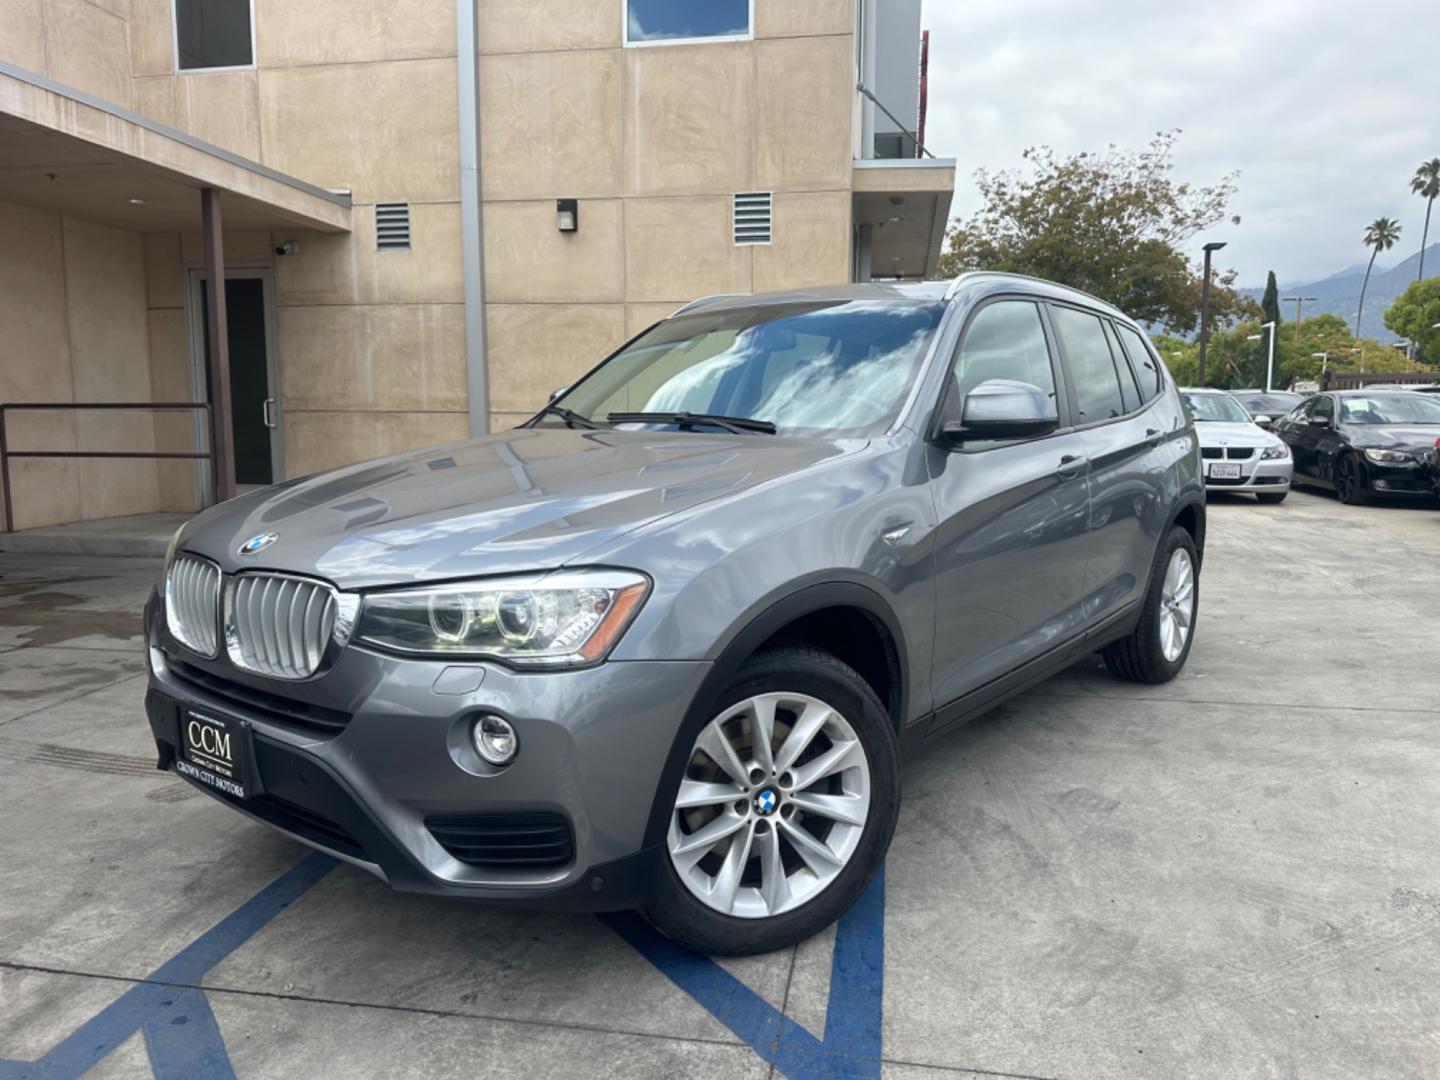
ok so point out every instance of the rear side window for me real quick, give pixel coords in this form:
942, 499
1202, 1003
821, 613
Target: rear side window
1005, 340
1129, 389
1147, 368
1087, 351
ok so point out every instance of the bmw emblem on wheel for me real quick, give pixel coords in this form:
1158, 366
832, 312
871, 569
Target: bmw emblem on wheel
765, 802
257, 544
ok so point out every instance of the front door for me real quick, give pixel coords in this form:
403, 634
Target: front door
1011, 550
254, 404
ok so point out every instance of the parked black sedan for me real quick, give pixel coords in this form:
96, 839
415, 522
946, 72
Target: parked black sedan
1363, 443
1266, 407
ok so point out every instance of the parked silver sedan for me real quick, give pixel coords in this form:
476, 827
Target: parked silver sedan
1237, 455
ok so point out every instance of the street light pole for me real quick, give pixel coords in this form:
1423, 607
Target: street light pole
1270, 363
1298, 301
1210, 248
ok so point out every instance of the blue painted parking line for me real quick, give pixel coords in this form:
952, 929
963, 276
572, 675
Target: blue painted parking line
184, 1042
851, 1044
181, 1035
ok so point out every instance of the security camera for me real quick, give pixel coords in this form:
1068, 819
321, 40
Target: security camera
290, 247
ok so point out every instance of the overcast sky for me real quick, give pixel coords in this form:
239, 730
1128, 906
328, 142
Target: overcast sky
1325, 107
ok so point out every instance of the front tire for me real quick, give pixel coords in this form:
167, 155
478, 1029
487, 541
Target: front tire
785, 809
1350, 482
1156, 650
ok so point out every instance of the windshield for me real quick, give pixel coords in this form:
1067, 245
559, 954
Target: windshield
1220, 408
1267, 404
1399, 408
811, 367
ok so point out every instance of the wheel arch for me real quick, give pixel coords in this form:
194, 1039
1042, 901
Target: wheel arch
752, 633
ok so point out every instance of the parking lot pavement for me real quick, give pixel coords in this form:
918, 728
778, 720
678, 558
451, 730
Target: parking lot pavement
1235, 874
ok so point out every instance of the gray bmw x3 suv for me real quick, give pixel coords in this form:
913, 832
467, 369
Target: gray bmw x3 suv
666, 644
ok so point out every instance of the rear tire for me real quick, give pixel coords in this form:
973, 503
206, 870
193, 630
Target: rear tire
697, 910
1272, 497
1151, 652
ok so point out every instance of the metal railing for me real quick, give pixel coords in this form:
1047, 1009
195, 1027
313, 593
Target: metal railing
59, 406
1330, 379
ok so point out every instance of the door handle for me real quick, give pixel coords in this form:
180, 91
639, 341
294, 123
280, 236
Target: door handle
1153, 437
267, 412
1071, 466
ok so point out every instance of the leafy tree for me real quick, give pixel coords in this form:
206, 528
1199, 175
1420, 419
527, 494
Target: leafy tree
1380, 235
1180, 356
1270, 302
1112, 224
1414, 314
1426, 184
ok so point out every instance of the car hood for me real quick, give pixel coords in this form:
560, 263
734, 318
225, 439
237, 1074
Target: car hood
1416, 438
1218, 433
528, 499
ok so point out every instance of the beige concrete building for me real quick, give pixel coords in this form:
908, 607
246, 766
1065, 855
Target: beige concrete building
431, 212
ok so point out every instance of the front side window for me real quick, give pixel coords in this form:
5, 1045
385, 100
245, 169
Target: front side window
1097, 386
1325, 406
1005, 340
213, 34
826, 367
649, 22
1390, 409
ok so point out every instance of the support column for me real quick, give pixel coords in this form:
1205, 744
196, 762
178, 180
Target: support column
217, 335
472, 241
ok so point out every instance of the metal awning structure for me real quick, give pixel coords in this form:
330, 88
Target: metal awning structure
70, 152
902, 205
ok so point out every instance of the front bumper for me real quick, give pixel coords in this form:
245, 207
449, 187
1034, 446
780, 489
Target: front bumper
1418, 477
1256, 474
362, 761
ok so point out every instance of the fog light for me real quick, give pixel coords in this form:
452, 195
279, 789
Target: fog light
1383, 485
495, 740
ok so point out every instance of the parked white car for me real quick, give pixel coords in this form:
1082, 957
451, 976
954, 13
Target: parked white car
1236, 454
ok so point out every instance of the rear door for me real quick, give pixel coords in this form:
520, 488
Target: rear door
1129, 444
1011, 542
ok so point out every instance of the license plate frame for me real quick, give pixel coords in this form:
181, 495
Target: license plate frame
214, 750
1224, 470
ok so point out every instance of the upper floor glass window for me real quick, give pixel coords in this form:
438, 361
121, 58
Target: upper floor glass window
214, 34
651, 22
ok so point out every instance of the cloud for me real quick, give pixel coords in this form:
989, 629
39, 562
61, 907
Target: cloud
1325, 107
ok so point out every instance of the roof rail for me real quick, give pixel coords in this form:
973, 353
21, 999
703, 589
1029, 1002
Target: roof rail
703, 300
964, 276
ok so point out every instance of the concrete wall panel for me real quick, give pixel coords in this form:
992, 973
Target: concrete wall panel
389, 357
678, 249
22, 34
88, 48
528, 260
539, 25
152, 38
536, 348
689, 119
801, 18
347, 31
811, 242
804, 110
553, 124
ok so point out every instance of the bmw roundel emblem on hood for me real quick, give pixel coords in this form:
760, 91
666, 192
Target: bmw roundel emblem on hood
257, 544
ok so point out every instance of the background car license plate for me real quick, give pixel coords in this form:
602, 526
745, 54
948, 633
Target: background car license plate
1225, 471
212, 751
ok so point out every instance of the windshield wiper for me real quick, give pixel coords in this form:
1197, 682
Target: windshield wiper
571, 417
737, 424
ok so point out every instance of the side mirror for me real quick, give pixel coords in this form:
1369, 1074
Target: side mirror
1003, 409
1263, 420
1320, 421
557, 392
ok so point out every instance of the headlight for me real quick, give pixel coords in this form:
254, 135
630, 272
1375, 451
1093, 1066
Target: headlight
1279, 450
569, 618
1390, 457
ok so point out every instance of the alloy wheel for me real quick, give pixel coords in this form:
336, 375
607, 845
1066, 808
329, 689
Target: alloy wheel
772, 805
1177, 605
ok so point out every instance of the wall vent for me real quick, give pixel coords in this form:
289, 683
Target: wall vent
392, 226
751, 217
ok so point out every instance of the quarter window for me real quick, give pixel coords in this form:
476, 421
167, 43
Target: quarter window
213, 34
1005, 340
1088, 354
1147, 369
1129, 390
650, 22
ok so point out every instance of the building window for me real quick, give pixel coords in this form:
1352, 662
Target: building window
212, 34
665, 22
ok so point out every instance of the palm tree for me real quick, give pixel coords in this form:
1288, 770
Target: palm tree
1380, 235
1426, 184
